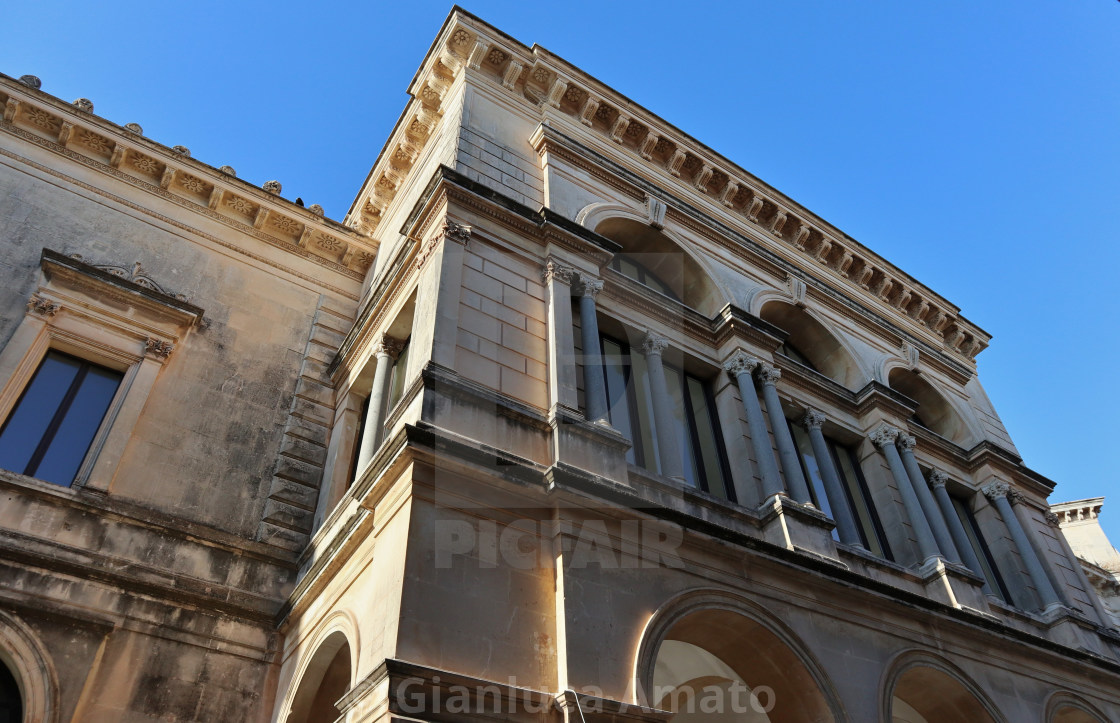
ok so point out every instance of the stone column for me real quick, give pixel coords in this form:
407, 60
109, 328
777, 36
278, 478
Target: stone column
833, 487
740, 367
1071, 558
594, 384
385, 351
787, 452
998, 492
937, 480
668, 445
561, 344
884, 438
936, 520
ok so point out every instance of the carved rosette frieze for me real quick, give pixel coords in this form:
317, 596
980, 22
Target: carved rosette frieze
884, 435
937, 478
996, 489
741, 363
554, 270
41, 306
654, 344
158, 348
813, 419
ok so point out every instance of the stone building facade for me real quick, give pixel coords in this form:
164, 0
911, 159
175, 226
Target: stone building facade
570, 418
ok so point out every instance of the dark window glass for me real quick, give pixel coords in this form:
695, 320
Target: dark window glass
980, 547
856, 495
358, 444
693, 422
794, 353
637, 272
400, 368
53, 424
11, 704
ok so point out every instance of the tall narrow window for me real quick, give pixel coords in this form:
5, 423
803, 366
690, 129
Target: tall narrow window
694, 423
396, 385
980, 547
50, 430
856, 494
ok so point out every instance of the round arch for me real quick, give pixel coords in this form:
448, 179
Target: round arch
716, 640
935, 411
827, 352
23, 654
671, 259
919, 687
327, 666
1066, 707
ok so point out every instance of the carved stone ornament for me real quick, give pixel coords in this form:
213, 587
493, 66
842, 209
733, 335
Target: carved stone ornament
31, 81
740, 363
797, 290
136, 274
41, 306
272, 187
315, 209
654, 344
937, 478
388, 346
768, 374
884, 435
239, 204
1052, 519
83, 104
1014, 496
555, 270
910, 354
134, 128
590, 287
907, 441
228, 170
158, 348
459, 232
182, 150
655, 211
995, 490
813, 419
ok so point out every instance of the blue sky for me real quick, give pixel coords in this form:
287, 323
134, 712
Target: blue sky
976, 145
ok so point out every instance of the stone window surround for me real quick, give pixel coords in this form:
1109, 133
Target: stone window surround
69, 311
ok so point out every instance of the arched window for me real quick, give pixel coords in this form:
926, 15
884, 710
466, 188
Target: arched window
934, 411
928, 695
325, 679
631, 269
811, 343
11, 701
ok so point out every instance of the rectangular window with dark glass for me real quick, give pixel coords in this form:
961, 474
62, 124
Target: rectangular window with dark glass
694, 424
52, 426
980, 547
856, 495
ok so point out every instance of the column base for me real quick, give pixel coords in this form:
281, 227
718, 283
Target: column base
954, 584
798, 527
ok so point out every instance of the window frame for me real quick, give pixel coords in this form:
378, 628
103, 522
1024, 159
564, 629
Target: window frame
963, 507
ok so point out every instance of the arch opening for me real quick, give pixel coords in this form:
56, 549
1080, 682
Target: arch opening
326, 678
924, 694
11, 699
720, 666
934, 410
813, 342
675, 272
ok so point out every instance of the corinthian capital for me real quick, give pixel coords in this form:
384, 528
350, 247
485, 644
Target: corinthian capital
813, 419
740, 363
906, 441
590, 286
995, 490
937, 478
1052, 519
388, 346
654, 344
553, 269
768, 374
884, 435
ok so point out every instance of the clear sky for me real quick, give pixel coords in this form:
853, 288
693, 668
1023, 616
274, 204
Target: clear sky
974, 144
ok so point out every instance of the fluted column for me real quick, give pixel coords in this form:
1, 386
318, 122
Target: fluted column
594, 383
884, 438
787, 452
999, 492
933, 514
740, 367
385, 351
937, 480
833, 487
668, 444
